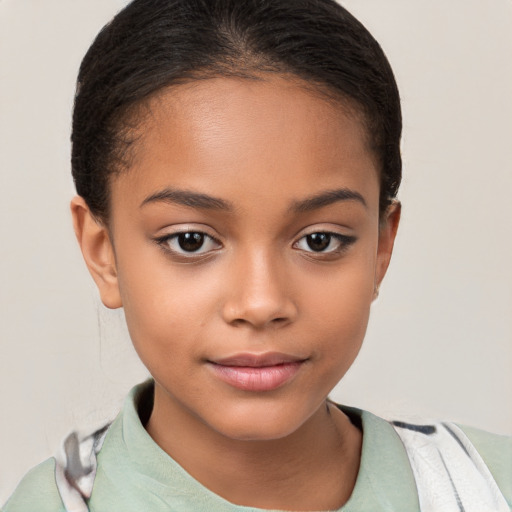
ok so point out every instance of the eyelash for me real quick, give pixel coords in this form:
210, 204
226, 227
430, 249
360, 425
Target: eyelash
344, 242
164, 242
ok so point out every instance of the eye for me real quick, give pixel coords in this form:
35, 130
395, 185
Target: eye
324, 242
189, 243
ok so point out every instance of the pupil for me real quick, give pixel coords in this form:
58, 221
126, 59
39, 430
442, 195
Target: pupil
318, 241
191, 241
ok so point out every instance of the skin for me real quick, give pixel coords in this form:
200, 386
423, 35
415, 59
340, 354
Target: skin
255, 287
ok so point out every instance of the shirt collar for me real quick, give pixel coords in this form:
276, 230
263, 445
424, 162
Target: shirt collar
385, 480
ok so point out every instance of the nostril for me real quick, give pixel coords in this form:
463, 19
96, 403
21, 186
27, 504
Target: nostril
276, 322
238, 322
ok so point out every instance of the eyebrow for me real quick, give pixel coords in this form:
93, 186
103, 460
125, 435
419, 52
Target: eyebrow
207, 202
188, 198
327, 198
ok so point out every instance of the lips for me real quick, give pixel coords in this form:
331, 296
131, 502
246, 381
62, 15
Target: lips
257, 372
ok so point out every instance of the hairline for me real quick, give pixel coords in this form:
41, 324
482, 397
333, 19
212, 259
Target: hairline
133, 116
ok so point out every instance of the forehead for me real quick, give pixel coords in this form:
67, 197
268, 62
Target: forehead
224, 136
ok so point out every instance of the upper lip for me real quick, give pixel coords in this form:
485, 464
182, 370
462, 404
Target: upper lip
258, 360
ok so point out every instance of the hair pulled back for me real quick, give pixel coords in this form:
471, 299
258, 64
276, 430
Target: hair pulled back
152, 44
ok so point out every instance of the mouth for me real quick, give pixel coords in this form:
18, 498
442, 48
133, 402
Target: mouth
257, 372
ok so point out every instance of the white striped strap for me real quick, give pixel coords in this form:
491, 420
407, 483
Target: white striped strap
450, 474
76, 466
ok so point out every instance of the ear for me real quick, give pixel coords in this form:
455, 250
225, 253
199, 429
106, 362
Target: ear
98, 252
387, 234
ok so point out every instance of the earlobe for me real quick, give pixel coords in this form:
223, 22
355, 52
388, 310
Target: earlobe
387, 234
94, 240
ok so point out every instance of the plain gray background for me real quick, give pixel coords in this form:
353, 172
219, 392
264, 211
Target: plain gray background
439, 341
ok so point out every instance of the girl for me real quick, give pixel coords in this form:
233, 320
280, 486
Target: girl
237, 165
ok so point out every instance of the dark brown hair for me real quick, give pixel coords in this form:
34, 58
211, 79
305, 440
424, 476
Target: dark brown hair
152, 44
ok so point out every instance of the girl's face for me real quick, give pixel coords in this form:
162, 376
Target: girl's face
247, 251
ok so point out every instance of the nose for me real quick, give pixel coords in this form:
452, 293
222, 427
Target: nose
259, 293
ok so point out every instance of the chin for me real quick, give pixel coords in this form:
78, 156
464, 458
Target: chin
263, 423
256, 433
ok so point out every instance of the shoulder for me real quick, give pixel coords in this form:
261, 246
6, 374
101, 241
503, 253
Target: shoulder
37, 491
496, 451
63, 482
476, 464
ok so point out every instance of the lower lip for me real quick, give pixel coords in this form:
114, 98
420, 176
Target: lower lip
262, 378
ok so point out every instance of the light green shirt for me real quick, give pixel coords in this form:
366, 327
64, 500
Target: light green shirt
135, 474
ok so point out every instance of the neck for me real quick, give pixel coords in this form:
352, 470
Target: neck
314, 468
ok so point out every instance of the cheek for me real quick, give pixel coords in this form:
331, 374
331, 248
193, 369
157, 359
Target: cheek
166, 308
344, 320
337, 313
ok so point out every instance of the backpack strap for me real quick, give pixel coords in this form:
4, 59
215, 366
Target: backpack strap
76, 466
450, 474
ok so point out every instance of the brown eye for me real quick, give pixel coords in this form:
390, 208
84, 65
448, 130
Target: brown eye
318, 241
190, 242
324, 242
